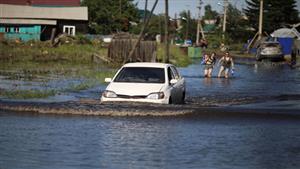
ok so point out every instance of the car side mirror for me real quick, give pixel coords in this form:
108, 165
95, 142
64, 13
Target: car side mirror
173, 81
107, 80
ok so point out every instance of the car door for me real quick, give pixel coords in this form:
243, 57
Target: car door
173, 87
179, 86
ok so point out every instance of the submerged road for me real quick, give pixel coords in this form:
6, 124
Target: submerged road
249, 121
262, 88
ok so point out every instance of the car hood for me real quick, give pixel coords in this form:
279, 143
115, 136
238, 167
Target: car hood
134, 89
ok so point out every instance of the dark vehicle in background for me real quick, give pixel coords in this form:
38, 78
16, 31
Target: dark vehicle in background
271, 50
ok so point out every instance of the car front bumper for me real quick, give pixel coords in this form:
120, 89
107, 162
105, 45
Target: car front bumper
157, 101
271, 56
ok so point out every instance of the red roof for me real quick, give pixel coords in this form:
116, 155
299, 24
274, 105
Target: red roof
42, 2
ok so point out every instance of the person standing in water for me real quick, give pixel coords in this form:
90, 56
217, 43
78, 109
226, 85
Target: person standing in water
227, 64
209, 62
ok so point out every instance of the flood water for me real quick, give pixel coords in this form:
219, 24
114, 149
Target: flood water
31, 141
207, 142
263, 82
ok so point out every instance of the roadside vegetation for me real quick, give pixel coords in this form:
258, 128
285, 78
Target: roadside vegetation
24, 65
177, 56
43, 52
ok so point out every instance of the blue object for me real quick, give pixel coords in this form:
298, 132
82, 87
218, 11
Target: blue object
203, 61
232, 72
287, 44
188, 42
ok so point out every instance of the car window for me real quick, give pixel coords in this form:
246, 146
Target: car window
141, 75
170, 74
175, 72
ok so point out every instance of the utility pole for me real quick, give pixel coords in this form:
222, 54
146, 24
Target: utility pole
225, 17
120, 7
261, 13
199, 25
258, 34
167, 43
188, 17
145, 11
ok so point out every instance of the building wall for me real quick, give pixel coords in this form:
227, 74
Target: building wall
40, 32
42, 2
21, 32
81, 26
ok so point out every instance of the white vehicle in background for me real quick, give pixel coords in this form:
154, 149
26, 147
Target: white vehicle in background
146, 82
269, 50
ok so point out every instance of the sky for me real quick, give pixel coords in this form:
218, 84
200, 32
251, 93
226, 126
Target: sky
177, 6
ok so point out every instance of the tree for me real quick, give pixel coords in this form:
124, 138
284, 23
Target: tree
209, 13
189, 26
107, 16
154, 28
277, 13
237, 26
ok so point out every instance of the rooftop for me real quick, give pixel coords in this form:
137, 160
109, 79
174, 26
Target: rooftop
35, 12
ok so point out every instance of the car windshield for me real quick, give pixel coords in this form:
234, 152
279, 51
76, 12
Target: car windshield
141, 75
271, 45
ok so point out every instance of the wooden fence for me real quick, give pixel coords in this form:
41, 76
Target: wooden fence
119, 50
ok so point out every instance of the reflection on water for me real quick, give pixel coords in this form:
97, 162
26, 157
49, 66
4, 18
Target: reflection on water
34, 142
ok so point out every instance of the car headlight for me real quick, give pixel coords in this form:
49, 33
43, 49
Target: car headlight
109, 94
264, 52
156, 96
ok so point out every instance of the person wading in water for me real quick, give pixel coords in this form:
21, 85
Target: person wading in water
227, 64
209, 62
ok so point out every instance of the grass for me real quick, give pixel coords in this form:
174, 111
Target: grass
92, 75
177, 56
27, 94
41, 52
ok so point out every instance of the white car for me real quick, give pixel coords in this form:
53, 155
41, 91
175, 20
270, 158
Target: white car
146, 82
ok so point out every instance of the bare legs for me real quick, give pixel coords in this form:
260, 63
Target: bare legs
225, 71
208, 72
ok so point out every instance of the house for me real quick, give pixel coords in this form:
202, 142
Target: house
27, 22
210, 25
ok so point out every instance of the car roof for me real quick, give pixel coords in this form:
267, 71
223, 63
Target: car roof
271, 42
147, 64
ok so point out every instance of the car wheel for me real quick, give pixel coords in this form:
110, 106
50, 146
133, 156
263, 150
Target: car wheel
183, 98
170, 100
258, 58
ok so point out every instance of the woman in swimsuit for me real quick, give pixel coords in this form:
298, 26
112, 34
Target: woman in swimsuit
227, 64
209, 62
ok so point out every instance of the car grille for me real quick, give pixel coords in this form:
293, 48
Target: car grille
130, 97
